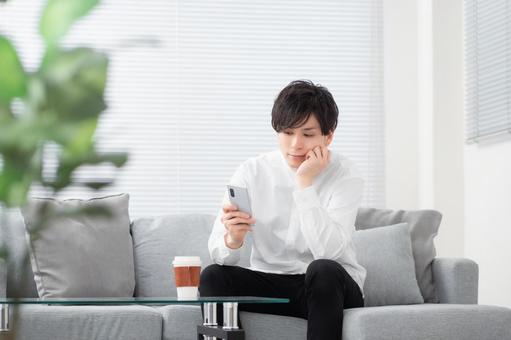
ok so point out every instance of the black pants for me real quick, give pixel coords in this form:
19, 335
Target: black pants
320, 295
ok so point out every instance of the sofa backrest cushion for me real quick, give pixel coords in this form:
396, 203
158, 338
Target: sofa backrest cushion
423, 226
156, 241
81, 252
386, 254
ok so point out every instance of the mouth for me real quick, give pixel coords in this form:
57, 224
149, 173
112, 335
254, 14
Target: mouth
296, 156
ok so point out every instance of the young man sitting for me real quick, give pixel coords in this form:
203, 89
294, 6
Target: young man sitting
304, 202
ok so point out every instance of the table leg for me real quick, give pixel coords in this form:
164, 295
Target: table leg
4, 318
230, 315
210, 318
230, 329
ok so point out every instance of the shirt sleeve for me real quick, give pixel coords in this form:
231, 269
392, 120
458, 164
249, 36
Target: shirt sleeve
328, 229
218, 250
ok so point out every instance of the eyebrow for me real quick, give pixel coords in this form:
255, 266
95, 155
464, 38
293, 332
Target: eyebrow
311, 128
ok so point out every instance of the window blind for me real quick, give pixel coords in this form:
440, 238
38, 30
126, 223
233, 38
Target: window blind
192, 83
487, 68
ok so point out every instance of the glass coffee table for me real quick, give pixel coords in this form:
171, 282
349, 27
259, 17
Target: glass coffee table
209, 329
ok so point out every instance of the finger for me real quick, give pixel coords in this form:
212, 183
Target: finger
242, 227
237, 220
238, 228
324, 153
236, 213
229, 207
320, 152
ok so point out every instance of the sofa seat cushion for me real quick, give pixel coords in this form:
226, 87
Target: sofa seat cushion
414, 322
272, 327
43, 322
180, 321
428, 322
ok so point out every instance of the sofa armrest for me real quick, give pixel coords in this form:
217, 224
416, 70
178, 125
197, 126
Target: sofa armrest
456, 280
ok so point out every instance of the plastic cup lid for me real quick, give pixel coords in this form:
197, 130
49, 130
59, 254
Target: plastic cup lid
187, 261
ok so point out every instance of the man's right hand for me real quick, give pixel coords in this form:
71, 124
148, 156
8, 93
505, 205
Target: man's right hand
237, 225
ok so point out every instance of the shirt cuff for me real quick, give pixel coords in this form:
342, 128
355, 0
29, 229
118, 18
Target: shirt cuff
306, 198
226, 252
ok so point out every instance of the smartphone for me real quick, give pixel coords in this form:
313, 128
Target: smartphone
239, 197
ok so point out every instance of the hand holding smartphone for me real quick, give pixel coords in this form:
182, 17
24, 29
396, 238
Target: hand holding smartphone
236, 222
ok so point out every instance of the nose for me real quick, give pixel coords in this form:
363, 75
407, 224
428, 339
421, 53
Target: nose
296, 142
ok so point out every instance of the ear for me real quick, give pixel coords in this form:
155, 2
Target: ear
329, 138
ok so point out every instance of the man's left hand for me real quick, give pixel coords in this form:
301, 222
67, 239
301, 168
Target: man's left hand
316, 161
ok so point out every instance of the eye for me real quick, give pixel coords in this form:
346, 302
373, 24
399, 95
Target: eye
289, 133
309, 135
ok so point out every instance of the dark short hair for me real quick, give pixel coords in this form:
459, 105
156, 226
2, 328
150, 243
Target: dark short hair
298, 100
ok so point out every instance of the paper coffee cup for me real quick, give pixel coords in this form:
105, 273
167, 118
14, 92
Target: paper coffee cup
187, 275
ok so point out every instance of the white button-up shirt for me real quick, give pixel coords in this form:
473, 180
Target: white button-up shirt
295, 226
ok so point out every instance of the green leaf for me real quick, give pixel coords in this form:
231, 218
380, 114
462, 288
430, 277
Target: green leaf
16, 178
75, 83
21, 137
5, 113
116, 158
82, 140
96, 185
59, 16
69, 162
4, 254
13, 81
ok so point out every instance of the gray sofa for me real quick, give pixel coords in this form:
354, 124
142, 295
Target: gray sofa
452, 314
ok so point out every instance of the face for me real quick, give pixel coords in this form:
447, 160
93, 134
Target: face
297, 142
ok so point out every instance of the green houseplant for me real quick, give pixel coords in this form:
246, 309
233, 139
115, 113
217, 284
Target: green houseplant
59, 104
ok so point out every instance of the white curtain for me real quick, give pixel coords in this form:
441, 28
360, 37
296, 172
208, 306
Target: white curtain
192, 83
487, 68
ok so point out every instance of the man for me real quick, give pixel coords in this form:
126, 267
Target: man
304, 203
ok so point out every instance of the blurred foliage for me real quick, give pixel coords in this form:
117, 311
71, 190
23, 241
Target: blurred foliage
59, 103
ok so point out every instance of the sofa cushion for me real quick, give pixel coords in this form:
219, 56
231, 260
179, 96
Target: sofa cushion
156, 241
417, 322
89, 322
179, 320
427, 321
273, 327
82, 255
386, 254
423, 226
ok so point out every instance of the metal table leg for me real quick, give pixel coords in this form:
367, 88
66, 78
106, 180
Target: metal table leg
4, 318
230, 329
210, 317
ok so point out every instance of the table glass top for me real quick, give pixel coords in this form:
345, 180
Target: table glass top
139, 300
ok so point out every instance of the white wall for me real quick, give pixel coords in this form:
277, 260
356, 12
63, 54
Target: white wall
448, 135
488, 216
428, 164
401, 106
470, 180
423, 110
